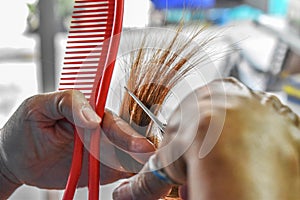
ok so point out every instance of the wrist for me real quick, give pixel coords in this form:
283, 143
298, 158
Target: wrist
8, 182
7, 187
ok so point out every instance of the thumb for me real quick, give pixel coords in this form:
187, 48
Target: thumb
73, 106
145, 185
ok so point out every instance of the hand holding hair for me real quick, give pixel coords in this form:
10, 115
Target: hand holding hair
36, 143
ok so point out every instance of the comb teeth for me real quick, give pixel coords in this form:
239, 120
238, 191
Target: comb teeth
91, 25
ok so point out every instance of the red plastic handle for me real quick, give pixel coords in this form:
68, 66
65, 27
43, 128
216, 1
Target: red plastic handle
98, 98
94, 164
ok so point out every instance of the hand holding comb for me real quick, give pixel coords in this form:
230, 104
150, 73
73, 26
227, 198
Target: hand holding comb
92, 48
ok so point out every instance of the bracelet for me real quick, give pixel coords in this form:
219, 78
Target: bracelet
156, 169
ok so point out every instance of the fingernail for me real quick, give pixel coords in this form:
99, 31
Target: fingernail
90, 114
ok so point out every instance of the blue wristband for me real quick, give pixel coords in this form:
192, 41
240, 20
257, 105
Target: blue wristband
158, 172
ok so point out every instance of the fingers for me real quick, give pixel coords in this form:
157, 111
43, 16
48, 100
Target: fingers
75, 107
150, 183
144, 185
126, 138
71, 105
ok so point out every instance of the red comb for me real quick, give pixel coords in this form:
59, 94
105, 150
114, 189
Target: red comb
89, 61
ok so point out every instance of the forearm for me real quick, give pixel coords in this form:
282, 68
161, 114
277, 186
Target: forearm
7, 187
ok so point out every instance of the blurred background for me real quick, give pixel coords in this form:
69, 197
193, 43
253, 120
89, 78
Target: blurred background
264, 36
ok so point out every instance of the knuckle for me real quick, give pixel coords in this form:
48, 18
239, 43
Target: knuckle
71, 93
30, 103
135, 145
30, 100
68, 95
144, 187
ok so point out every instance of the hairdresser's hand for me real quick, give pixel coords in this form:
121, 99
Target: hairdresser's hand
37, 142
145, 185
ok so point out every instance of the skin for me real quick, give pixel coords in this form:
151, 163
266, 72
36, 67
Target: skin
36, 143
255, 157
